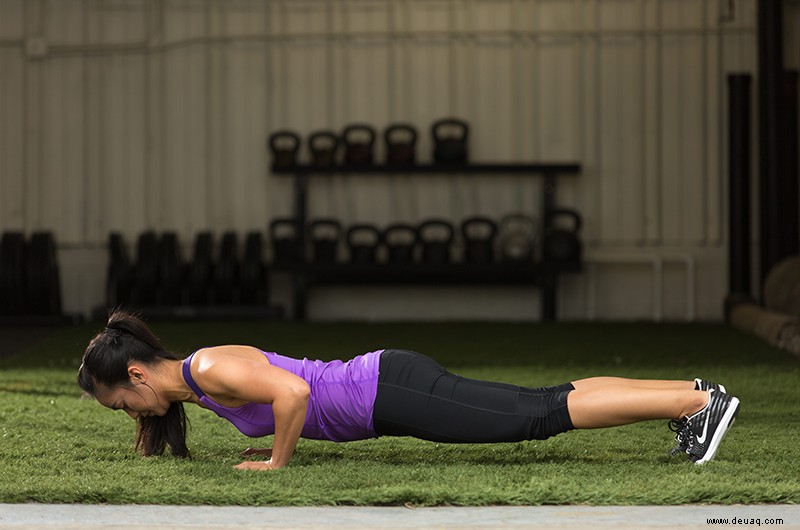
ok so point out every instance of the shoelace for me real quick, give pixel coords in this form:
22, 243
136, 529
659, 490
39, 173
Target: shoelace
682, 435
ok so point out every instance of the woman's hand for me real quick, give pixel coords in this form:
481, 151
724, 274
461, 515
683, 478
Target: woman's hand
256, 466
250, 451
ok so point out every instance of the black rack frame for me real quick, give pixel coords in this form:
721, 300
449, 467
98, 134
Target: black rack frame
544, 274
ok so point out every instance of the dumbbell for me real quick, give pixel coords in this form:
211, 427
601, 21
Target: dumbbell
12, 274
252, 276
401, 241
226, 271
363, 241
170, 270
436, 236
120, 272
145, 275
479, 234
201, 271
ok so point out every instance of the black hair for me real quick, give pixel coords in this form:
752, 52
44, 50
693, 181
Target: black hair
127, 338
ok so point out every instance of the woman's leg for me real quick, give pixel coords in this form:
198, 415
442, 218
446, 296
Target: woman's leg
595, 406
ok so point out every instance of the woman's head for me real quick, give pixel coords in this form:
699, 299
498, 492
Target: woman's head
118, 368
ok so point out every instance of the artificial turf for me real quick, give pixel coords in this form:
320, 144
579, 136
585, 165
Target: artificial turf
57, 447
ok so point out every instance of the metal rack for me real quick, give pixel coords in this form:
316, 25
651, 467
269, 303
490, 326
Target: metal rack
305, 275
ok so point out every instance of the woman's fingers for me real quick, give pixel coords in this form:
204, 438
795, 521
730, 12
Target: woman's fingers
254, 466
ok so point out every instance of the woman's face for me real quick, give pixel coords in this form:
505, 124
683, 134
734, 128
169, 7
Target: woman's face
138, 400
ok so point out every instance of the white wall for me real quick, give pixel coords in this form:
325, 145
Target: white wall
126, 115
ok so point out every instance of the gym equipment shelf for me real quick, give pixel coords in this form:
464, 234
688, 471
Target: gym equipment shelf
544, 274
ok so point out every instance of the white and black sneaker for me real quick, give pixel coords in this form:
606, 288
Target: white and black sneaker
679, 426
705, 429
702, 384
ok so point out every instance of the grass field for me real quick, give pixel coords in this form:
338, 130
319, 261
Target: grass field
57, 447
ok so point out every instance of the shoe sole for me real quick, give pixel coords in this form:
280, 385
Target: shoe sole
727, 420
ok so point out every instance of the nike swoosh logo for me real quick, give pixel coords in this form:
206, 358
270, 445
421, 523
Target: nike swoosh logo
702, 439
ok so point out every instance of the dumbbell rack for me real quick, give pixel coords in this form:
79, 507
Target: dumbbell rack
544, 274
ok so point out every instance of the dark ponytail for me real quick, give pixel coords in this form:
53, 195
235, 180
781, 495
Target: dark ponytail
125, 339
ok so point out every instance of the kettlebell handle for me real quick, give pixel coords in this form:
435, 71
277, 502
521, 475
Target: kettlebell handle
576, 217
277, 136
455, 122
358, 127
400, 227
478, 221
332, 223
316, 137
392, 129
355, 229
437, 223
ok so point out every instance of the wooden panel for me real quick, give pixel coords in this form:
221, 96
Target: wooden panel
12, 21
12, 141
62, 193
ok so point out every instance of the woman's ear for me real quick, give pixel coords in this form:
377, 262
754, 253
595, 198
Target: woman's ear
136, 374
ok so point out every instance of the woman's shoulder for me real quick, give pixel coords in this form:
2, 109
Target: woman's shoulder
209, 357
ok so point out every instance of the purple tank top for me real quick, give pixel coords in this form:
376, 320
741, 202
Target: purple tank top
339, 408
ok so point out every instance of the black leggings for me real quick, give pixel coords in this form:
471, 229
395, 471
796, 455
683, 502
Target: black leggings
417, 397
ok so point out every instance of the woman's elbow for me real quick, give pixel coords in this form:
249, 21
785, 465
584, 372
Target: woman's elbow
300, 391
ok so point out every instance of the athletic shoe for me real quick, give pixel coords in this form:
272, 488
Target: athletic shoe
702, 384
679, 426
707, 427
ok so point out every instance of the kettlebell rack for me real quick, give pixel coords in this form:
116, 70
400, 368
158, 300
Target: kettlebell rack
305, 274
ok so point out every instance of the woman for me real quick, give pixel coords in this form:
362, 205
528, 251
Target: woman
382, 393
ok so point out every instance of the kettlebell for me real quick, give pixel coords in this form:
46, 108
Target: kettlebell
400, 141
517, 232
401, 240
436, 236
284, 145
323, 146
560, 244
450, 141
358, 140
285, 237
325, 235
363, 240
478, 233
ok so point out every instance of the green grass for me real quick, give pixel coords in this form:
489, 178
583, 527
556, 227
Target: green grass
57, 447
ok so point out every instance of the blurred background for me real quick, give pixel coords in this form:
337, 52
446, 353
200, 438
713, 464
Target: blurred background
128, 116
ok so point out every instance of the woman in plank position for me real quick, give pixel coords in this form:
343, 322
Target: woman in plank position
383, 393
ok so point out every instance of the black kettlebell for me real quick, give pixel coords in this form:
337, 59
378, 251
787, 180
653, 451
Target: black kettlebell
358, 140
325, 235
363, 240
323, 146
401, 140
479, 233
285, 236
516, 237
401, 240
284, 146
560, 244
450, 141
436, 236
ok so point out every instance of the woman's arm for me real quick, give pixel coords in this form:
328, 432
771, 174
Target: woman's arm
232, 373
